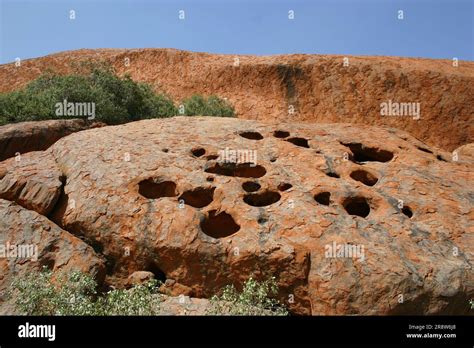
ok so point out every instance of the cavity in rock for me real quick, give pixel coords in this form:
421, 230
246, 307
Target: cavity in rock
262, 199
357, 206
219, 225
150, 189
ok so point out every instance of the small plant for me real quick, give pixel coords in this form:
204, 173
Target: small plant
256, 298
212, 106
141, 299
39, 293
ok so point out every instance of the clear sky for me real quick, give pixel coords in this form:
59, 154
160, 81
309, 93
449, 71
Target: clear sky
430, 28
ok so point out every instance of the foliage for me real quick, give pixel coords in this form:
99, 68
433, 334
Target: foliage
256, 298
39, 293
212, 106
117, 99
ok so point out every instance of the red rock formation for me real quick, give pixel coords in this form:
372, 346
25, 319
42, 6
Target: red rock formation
319, 88
396, 212
43, 244
37, 136
31, 180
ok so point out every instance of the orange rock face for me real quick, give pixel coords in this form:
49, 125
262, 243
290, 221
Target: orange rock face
29, 241
349, 219
295, 88
23, 137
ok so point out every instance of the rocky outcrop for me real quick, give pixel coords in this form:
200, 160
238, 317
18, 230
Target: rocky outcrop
29, 241
19, 138
292, 88
32, 180
350, 220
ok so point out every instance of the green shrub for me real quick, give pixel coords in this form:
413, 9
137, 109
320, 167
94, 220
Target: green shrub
76, 294
117, 100
254, 299
212, 106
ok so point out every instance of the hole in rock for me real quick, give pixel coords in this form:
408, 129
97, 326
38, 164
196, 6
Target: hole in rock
210, 179
157, 272
333, 175
262, 220
407, 211
150, 189
251, 186
199, 197
440, 158
212, 157
364, 177
357, 206
95, 244
165, 150
323, 198
251, 135
198, 151
110, 263
363, 153
299, 142
273, 159
424, 149
220, 225
284, 186
47, 261
59, 210
242, 170
262, 199
281, 134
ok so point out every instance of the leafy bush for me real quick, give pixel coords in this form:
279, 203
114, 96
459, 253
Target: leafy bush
117, 100
254, 299
212, 106
75, 294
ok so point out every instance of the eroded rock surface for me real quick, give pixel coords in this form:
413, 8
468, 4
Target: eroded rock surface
157, 196
19, 138
29, 241
297, 87
464, 153
31, 180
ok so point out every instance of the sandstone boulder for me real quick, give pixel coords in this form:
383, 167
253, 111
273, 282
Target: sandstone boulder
29, 241
32, 180
350, 219
140, 277
36, 136
296, 87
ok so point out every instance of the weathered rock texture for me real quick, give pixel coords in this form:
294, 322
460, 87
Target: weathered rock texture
30, 241
31, 180
465, 153
154, 196
37, 136
319, 88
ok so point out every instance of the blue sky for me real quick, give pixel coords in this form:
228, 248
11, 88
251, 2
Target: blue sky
430, 28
